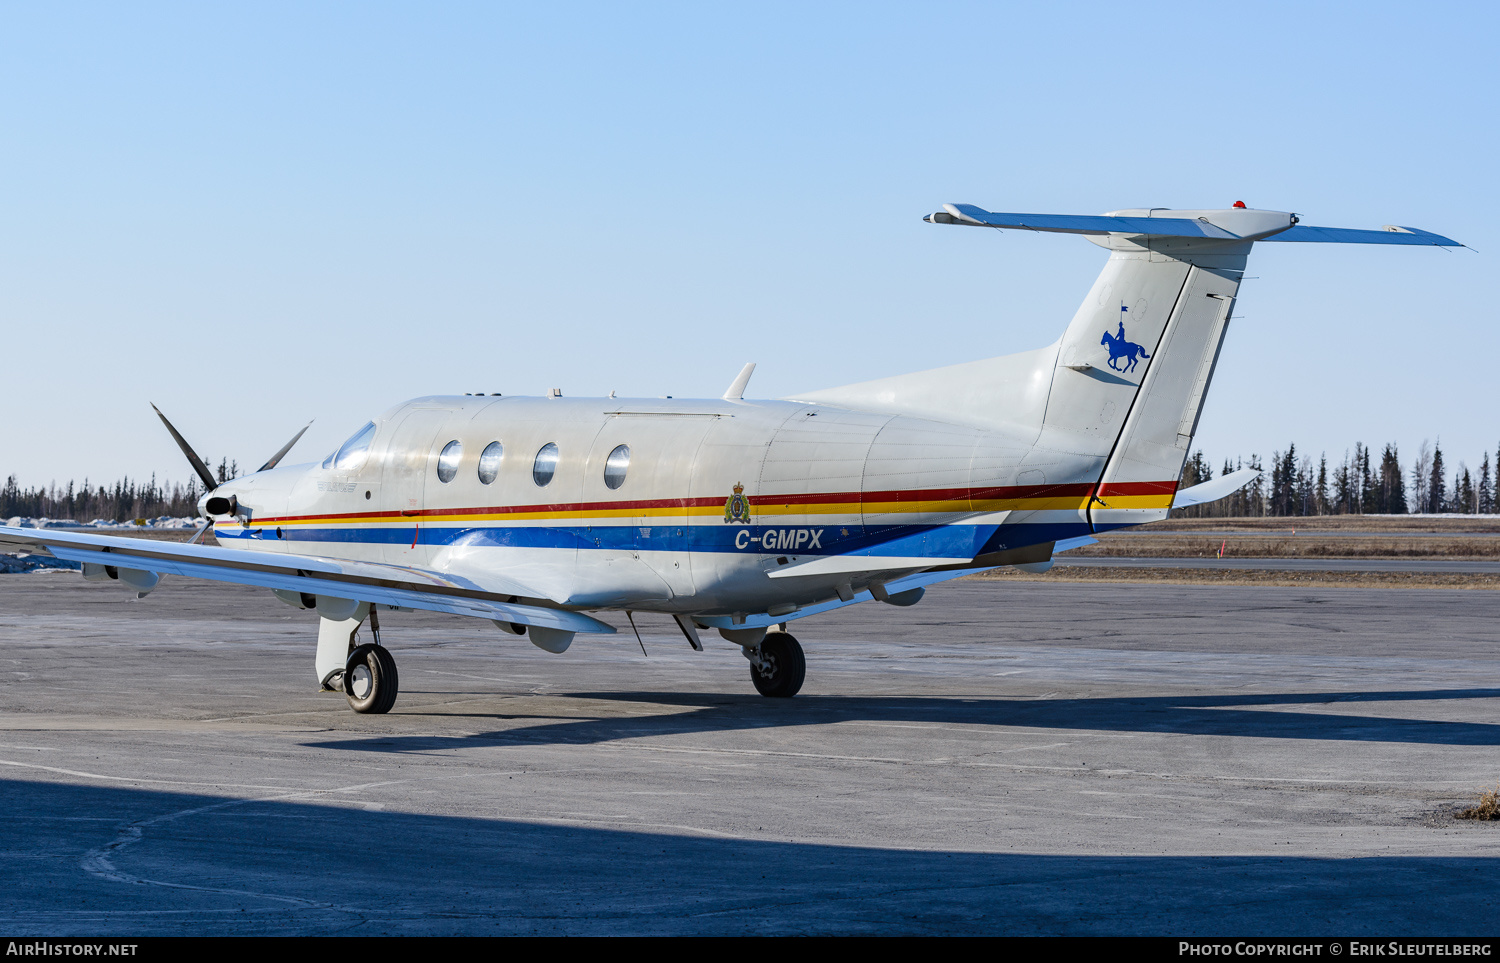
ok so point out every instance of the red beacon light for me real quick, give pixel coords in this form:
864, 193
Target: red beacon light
1240, 204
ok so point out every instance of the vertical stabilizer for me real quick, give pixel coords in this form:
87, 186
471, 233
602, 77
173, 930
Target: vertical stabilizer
1183, 337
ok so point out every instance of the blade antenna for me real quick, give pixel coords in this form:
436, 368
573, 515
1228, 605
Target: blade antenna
736, 390
209, 484
276, 458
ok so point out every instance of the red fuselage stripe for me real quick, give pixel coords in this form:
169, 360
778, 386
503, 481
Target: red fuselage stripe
853, 499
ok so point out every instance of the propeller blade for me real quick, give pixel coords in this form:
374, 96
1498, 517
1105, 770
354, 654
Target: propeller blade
276, 458
208, 526
209, 483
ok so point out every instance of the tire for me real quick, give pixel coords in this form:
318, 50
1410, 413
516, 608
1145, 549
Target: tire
370, 680
782, 667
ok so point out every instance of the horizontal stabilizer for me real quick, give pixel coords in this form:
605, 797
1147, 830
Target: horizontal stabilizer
1390, 234
1212, 491
1231, 224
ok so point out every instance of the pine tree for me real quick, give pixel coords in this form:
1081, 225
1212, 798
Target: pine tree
1463, 491
1392, 484
1368, 490
1256, 502
1486, 493
1284, 500
1437, 494
1343, 486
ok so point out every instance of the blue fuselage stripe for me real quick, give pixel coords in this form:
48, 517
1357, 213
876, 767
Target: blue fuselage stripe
917, 541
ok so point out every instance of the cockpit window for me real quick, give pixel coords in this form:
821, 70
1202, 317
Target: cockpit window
351, 454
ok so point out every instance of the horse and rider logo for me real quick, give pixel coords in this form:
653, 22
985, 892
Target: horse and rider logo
1120, 349
737, 509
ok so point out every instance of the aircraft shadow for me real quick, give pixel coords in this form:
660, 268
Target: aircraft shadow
1207, 715
96, 860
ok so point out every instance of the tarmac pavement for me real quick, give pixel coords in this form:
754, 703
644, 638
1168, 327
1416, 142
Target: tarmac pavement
1005, 757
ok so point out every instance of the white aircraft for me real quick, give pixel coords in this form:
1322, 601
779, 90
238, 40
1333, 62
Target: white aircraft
741, 515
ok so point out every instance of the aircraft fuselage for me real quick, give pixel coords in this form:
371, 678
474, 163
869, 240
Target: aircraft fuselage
715, 496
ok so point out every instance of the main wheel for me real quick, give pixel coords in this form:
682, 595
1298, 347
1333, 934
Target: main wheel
781, 668
370, 681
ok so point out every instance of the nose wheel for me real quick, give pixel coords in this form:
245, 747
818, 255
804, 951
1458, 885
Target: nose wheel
370, 681
777, 666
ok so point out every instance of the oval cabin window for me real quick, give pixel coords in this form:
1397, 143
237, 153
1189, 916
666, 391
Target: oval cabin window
448, 461
545, 465
489, 462
616, 466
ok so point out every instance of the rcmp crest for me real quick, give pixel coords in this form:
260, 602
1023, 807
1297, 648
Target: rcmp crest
737, 508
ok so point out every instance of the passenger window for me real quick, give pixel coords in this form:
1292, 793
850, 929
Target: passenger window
352, 453
448, 461
545, 465
489, 462
615, 467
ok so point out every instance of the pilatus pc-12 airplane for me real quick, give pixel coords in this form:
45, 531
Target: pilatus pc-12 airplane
737, 515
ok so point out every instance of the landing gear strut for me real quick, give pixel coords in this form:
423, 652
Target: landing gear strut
370, 681
777, 666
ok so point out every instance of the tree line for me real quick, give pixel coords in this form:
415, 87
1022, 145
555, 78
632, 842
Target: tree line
123, 501
1362, 484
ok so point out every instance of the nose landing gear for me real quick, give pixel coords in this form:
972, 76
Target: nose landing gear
777, 666
370, 681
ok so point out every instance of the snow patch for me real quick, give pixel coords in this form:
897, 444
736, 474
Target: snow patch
160, 522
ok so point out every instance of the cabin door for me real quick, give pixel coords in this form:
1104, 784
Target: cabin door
408, 459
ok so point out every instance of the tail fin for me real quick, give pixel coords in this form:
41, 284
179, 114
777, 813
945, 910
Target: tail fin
1116, 401
1134, 365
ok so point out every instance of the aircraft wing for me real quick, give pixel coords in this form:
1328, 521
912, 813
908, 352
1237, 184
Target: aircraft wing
488, 596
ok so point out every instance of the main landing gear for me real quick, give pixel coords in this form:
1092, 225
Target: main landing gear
777, 666
370, 680
366, 674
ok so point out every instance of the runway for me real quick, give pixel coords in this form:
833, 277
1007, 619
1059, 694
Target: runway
1005, 757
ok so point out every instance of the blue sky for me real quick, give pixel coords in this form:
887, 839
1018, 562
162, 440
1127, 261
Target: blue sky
258, 215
